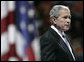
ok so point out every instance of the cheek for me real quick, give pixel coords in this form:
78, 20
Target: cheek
61, 23
58, 23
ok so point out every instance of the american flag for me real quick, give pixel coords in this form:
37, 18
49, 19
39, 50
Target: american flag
19, 40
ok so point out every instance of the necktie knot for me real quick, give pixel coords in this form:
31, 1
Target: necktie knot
63, 36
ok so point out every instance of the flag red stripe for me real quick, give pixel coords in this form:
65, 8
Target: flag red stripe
6, 21
4, 24
11, 17
5, 57
30, 54
13, 53
10, 53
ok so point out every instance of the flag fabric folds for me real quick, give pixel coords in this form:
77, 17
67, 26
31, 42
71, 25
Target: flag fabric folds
19, 40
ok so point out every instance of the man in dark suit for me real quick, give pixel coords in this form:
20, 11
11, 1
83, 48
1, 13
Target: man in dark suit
54, 43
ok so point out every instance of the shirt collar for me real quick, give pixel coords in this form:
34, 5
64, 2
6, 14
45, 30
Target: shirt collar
56, 30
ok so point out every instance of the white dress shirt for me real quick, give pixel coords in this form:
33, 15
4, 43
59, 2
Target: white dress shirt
64, 39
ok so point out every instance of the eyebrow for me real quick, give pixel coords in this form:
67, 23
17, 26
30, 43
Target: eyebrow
66, 16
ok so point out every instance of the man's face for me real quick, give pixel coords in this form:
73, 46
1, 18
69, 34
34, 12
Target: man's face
64, 20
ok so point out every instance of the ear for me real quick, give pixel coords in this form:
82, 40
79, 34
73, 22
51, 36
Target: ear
54, 20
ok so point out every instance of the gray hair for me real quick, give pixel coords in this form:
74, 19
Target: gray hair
54, 12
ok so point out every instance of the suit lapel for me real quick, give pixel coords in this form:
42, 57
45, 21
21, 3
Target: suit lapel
70, 43
60, 41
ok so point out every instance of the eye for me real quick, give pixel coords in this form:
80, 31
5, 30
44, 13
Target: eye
69, 17
65, 17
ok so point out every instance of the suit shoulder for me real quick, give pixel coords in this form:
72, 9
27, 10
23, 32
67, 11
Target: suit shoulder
45, 35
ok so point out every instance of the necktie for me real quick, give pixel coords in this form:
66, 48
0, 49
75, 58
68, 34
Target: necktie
68, 45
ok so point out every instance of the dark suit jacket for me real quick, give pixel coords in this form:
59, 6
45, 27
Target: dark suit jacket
53, 47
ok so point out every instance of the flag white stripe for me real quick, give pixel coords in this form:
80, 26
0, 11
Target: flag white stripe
4, 43
11, 5
36, 48
11, 33
4, 9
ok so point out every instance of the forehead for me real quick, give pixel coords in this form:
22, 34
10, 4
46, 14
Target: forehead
64, 13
